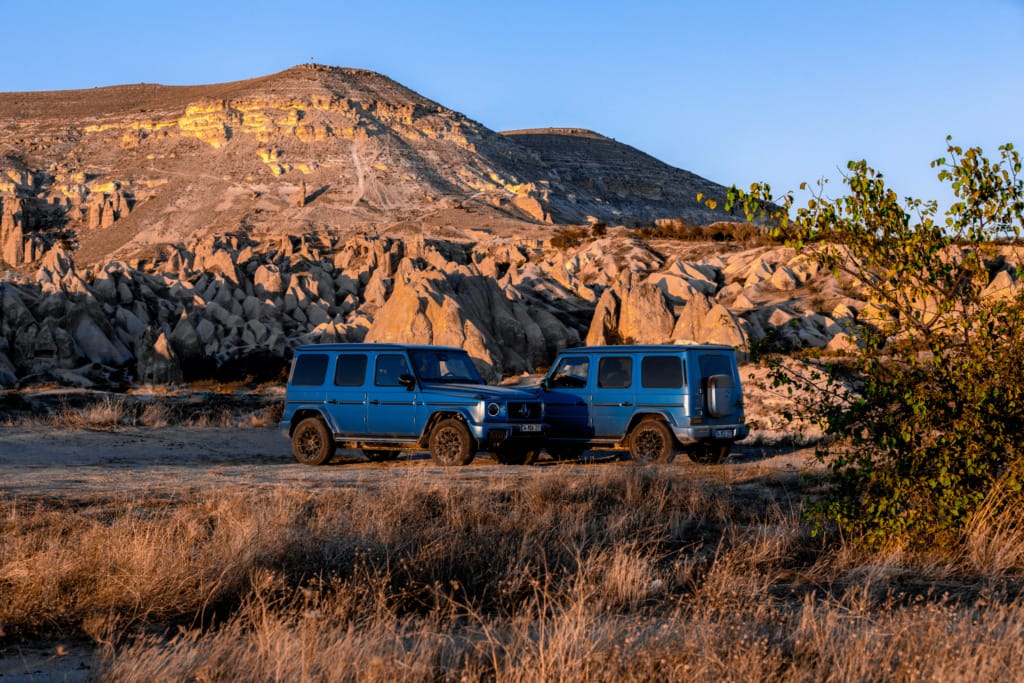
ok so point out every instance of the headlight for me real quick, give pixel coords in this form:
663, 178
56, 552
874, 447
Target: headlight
493, 409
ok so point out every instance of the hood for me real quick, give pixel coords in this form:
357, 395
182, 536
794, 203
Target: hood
481, 391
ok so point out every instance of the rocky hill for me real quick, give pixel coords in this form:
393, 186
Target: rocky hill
154, 234
114, 170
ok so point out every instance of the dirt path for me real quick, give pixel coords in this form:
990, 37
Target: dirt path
77, 463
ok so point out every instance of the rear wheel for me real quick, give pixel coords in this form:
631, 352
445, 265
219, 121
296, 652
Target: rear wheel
515, 456
451, 443
709, 453
312, 443
651, 441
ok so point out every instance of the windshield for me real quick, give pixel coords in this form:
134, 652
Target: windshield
445, 366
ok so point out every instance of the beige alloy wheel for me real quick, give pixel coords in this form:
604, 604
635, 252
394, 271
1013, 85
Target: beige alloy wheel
651, 441
312, 443
451, 443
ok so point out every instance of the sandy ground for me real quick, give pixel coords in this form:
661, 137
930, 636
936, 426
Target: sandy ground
46, 463
81, 464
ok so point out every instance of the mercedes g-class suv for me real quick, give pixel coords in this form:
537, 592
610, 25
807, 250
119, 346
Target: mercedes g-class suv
649, 400
383, 398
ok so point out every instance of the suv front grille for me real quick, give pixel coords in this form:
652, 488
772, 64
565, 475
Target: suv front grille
523, 411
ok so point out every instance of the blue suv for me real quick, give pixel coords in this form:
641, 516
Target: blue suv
383, 398
650, 400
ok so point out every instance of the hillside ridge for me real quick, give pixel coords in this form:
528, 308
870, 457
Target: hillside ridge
116, 170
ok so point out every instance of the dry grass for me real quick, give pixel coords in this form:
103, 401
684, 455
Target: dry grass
626, 573
106, 411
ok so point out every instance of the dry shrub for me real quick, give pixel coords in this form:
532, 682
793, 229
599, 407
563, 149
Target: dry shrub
107, 413
623, 572
155, 415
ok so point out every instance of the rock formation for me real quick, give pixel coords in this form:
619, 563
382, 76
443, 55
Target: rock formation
164, 234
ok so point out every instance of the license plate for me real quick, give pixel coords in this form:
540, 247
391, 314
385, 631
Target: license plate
529, 428
724, 433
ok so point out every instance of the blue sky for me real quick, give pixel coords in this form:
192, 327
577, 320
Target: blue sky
737, 92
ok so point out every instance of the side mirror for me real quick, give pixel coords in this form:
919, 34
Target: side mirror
545, 384
407, 381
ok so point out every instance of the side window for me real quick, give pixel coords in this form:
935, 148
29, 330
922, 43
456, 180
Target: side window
350, 370
571, 373
390, 366
615, 372
661, 372
309, 370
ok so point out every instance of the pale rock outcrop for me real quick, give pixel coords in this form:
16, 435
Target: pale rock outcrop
1002, 287
604, 327
644, 316
784, 279
268, 281
157, 362
722, 327
185, 340
689, 326
557, 335
211, 259
94, 334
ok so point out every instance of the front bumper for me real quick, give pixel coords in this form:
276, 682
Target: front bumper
495, 434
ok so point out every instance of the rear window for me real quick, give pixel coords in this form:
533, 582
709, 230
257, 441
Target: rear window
661, 372
350, 370
615, 372
309, 370
715, 364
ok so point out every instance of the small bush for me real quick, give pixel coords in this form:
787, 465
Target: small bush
931, 429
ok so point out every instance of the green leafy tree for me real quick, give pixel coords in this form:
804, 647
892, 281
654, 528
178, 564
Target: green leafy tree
925, 420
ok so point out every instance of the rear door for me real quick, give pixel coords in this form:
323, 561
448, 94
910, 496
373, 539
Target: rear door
306, 381
663, 387
613, 396
346, 395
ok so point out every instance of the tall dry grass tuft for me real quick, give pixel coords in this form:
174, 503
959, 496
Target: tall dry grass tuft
107, 413
619, 573
994, 537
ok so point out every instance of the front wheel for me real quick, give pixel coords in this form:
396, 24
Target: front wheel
709, 453
312, 443
515, 456
451, 443
651, 441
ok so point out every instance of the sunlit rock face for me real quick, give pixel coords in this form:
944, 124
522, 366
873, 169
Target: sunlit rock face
126, 167
161, 234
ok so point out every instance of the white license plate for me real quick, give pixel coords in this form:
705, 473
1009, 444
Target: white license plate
529, 428
724, 433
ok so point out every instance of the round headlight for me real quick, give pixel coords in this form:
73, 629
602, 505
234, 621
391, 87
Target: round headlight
493, 409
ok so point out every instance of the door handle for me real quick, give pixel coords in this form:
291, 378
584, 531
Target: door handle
374, 402
625, 405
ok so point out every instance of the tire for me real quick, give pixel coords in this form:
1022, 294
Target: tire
651, 441
312, 443
451, 443
375, 455
516, 456
709, 453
